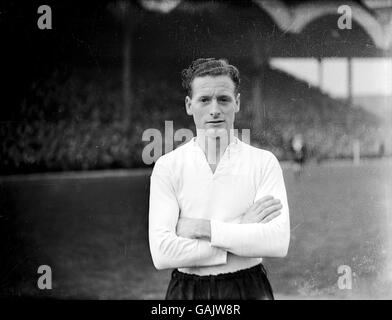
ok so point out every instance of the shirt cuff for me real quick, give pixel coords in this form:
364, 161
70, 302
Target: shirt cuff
220, 257
217, 233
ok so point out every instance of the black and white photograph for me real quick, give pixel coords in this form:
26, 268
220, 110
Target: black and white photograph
204, 150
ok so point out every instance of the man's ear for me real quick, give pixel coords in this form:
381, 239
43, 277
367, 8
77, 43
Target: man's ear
238, 103
188, 105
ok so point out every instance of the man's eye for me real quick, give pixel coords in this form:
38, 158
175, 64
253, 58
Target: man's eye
224, 99
204, 100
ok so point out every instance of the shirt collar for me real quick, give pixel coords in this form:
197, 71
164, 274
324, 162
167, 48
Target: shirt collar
232, 148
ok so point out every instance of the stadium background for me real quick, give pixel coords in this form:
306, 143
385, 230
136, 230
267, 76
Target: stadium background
79, 97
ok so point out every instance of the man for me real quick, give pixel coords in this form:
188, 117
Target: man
217, 204
300, 153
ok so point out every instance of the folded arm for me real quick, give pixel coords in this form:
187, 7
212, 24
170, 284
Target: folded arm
167, 249
258, 239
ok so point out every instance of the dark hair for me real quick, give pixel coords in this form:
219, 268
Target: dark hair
209, 67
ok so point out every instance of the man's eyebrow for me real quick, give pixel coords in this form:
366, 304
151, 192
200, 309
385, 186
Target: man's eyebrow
224, 95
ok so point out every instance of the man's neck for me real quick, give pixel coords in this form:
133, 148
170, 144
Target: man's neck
214, 147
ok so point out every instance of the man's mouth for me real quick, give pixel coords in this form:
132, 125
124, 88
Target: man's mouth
215, 121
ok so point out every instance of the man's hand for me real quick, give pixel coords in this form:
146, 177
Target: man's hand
194, 228
262, 211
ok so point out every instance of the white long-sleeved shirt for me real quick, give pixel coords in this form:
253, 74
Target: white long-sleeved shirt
183, 185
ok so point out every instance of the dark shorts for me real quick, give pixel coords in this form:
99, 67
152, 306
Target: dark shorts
247, 284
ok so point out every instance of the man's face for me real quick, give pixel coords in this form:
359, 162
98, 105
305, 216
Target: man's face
213, 104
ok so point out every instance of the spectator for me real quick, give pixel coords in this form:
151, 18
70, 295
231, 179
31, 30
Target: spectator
300, 153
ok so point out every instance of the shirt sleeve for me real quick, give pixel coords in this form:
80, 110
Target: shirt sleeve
167, 249
269, 239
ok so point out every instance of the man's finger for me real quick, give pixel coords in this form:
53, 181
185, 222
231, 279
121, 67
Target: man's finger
270, 210
256, 205
268, 204
265, 198
271, 217
258, 208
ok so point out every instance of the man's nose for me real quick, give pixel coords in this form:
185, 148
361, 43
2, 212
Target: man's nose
215, 110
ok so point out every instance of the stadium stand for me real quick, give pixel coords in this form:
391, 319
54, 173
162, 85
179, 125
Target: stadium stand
74, 122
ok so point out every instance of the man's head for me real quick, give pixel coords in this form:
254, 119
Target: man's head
212, 94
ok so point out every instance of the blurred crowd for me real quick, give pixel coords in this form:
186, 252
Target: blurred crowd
75, 122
